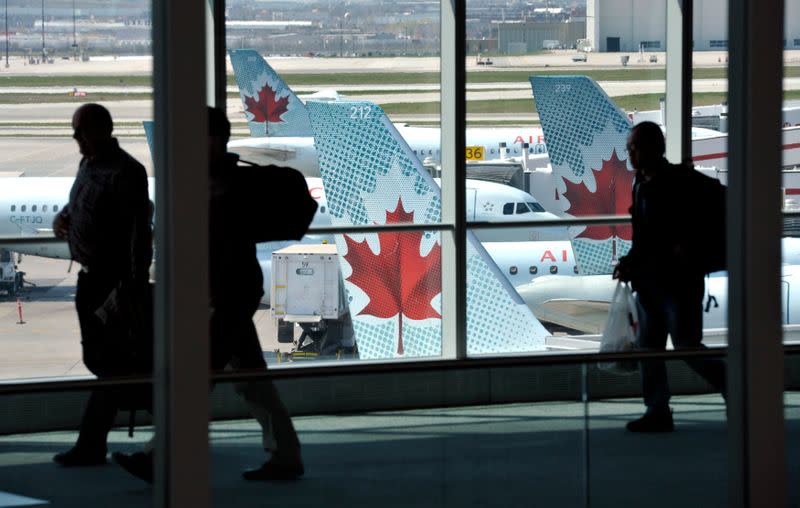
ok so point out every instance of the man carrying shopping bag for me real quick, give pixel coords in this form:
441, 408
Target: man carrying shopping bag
662, 271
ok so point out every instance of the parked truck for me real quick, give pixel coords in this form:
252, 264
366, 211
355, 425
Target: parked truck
307, 290
10, 278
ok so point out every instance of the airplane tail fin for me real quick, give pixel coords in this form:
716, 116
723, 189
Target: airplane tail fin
271, 108
393, 279
586, 136
149, 134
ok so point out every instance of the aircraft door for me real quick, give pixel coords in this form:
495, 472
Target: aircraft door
472, 200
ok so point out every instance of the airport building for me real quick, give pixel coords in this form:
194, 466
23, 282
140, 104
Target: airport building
420, 368
522, 37
628, 25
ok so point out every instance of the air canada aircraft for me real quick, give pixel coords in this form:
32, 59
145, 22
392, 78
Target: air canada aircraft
281, 133
393, 279
592, 176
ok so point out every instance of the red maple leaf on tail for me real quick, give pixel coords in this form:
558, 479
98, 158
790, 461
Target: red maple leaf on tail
399, 281
266, 108
612, 197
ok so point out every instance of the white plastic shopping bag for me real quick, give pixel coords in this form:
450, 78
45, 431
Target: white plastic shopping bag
619, 334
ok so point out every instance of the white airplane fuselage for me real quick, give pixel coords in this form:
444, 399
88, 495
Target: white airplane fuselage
299, 152
29, 204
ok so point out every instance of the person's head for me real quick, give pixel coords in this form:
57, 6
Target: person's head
219, 131
92, 126
646, 145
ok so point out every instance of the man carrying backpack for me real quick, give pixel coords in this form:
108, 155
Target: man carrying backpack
664, 269
261, 194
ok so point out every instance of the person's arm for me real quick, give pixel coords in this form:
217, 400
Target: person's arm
61, 224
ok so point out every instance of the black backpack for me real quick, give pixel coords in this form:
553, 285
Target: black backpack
279, 195
708, 220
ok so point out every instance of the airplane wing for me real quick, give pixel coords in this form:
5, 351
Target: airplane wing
586, 134
579, 303
271, 108
29, 232
263, 155
393, 280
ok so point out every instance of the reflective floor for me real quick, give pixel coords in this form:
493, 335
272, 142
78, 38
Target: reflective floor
509, 455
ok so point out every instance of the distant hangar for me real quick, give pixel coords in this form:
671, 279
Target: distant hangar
628, 25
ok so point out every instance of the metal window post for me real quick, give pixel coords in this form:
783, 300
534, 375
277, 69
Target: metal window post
181, 372
453, 142
217, 54
755, 356
679, 80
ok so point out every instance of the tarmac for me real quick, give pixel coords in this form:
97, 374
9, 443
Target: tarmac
47, 344
530, 454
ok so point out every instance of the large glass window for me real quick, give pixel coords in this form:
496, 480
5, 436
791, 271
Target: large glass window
347, 94
56, 56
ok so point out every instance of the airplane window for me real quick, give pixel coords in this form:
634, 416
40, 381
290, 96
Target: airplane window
508, 209
321, 209
33, 208
23, 208
44, 208
533, 270
516, 150
492, 150
13, 208
575, 268
535, 207
55, 208
523, 208
554, 269
512, 270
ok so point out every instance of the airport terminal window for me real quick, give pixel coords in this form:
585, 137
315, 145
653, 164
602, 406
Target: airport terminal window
797, 42
719, 44
651, 44
508, 209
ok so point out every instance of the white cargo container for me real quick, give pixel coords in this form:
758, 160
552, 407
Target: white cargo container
305, 283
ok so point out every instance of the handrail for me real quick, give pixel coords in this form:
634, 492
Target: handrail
437, 226
360, 367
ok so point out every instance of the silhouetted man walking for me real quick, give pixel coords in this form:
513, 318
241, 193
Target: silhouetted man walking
669, 284
234, 300
107, 226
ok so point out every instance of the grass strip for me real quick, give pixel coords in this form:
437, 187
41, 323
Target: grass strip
34, 98
331, 80
642, 102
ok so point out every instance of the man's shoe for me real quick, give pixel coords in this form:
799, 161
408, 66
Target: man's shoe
653, 421
272, 470
138, 464
80, 457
